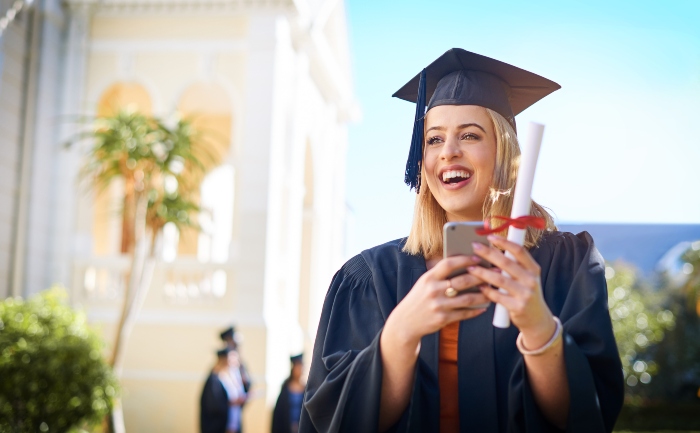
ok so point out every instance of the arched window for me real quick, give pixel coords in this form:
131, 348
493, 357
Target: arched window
209, 108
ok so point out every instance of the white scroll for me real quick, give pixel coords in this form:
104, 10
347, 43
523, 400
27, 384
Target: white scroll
530, 151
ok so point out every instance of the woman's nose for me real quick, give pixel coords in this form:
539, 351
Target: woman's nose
451, 149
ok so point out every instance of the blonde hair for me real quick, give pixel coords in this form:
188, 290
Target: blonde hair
429, 217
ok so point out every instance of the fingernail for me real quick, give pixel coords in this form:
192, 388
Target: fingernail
477, 246
492, 238
476, 258
471, 268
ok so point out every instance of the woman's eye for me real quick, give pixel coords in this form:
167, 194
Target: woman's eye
470, 136
433, 140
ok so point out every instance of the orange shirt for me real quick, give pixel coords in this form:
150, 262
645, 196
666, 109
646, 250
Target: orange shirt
448, 379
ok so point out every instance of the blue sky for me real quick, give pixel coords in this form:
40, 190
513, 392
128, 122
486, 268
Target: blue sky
622, 137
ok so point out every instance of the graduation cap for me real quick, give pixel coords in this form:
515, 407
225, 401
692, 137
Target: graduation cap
228, 333
223, 352
460, 77
297, 358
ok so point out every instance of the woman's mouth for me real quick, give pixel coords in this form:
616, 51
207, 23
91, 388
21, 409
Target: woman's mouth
455, 179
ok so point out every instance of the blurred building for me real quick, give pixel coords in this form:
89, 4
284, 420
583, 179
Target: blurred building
272, 77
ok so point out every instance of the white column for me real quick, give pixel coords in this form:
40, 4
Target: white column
259, 277
67, 240
293, 220
252, 170
46, 146
327, 176
280, 300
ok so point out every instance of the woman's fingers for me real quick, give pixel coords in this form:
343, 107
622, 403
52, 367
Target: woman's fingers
521, 254
436, 308
513, 287
498, 259
464, 281
466, 300
447, 266
459, 315
510, 303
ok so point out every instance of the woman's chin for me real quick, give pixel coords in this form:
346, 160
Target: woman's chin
463, 213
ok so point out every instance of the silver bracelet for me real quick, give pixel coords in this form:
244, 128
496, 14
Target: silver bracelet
547, 346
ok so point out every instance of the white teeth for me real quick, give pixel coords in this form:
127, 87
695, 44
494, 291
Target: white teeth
455, 173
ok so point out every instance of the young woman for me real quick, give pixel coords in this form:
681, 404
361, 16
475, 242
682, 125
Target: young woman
400, 348
285, 417
215, 405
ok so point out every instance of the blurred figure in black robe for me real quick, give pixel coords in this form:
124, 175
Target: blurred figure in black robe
231, 338
285, 417
214, 402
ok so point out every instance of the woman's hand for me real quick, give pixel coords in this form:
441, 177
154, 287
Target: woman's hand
523, 298
424, 310
427, 309
528, 311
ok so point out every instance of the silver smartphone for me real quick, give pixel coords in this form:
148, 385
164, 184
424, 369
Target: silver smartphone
457, 240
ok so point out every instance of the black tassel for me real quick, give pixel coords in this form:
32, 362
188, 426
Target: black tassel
415, 155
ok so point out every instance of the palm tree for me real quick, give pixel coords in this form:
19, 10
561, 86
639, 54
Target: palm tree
162, 168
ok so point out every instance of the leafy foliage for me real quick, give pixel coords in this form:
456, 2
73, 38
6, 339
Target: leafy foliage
679, 354
163, 164
53, 374
639, 322
671, 355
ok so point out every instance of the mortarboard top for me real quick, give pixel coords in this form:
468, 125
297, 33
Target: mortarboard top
223, 352
227, 333
297, 358
460, 77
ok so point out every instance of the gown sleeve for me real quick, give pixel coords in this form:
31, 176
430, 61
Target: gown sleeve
575, 290
214, 406
280, 415
344, 384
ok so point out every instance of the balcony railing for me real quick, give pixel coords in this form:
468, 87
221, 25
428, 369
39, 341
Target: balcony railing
183, 281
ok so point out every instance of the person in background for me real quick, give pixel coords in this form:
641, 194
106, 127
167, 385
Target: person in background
237, 396
285, 418
214, 402
230, 337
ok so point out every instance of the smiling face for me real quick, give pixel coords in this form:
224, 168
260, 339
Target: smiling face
459, 159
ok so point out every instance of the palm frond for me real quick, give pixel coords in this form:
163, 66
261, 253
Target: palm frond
146, 150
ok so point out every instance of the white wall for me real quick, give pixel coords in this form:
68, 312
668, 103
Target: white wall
12, 50
47, 123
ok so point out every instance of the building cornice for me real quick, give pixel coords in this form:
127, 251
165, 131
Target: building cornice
140, 6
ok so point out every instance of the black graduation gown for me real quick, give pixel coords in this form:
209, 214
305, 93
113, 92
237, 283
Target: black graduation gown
280, 415
343, 390
213, 414
245, 377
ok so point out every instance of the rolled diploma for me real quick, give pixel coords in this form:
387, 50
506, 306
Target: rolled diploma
530, 151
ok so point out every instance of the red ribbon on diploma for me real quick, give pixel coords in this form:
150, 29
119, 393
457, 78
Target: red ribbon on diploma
521, 222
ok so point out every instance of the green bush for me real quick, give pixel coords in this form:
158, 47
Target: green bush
678, 355
53, 377
639, 323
